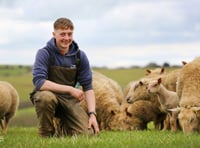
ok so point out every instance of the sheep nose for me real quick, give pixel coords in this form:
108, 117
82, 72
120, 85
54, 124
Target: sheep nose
129, 100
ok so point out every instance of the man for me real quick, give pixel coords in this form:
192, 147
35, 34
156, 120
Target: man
58, 67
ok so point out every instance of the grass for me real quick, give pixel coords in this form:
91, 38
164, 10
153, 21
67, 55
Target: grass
28, 138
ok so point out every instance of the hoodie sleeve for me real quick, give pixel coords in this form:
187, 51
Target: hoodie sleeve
84, 72
40, 68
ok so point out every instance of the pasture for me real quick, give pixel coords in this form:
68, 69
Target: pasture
22, 131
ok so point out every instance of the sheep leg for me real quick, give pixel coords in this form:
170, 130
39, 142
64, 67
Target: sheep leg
166, 125
2, 123
173, 121
6, 121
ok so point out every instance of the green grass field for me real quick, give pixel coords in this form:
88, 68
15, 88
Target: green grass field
27, 138
22, 132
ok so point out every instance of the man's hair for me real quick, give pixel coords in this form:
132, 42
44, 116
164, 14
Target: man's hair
63, 23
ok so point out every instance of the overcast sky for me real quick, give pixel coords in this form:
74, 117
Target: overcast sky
113, 33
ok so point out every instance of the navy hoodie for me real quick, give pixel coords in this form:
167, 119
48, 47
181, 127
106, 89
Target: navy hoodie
40, 68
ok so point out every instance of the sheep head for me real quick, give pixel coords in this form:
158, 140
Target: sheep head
137, 92
189, 119
154, 86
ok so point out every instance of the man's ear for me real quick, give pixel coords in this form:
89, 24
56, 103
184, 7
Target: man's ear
53, 33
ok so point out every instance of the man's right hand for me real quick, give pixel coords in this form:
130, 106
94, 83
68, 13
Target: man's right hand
77, 93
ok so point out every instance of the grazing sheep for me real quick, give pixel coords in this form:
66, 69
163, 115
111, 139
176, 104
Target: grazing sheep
108, 108
9, 102
189, 119
141, 112
168, 99
188, 90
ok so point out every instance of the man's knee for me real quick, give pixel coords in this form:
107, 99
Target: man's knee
45, 98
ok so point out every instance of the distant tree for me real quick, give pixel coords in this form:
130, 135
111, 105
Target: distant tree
152, 64
166, 64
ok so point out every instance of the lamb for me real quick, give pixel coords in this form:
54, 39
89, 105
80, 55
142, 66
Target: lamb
108, 108
9, 102
141, 112
168, 99
188, 86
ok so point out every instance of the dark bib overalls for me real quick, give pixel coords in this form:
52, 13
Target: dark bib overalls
69, 115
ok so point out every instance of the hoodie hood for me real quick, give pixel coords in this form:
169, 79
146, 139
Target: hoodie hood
73, 49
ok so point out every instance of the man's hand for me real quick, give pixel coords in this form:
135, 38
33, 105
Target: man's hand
93, 123
77, 93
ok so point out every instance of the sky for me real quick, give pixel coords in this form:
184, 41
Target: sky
113, 33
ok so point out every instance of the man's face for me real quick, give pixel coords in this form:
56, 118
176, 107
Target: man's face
64, 38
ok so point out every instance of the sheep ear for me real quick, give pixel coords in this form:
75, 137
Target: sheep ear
141, 83
127, 113
159, 80
195, 108
174, 109
112, 112
162, 70
184, 62
148, 71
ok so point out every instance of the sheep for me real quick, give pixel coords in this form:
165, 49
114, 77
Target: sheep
141, 112
189, 119
188, 86
139, 92
168, 99
169, 80
108, 108
9, 102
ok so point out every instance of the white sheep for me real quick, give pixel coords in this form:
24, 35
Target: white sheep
108, 94
188, 90
9, 102
168, 99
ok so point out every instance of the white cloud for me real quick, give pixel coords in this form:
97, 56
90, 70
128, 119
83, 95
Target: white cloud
133, 32
127, 56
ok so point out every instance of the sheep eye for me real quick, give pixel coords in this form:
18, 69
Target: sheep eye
136, 86
191, 120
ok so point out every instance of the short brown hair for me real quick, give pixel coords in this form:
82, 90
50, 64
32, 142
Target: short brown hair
63, 23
